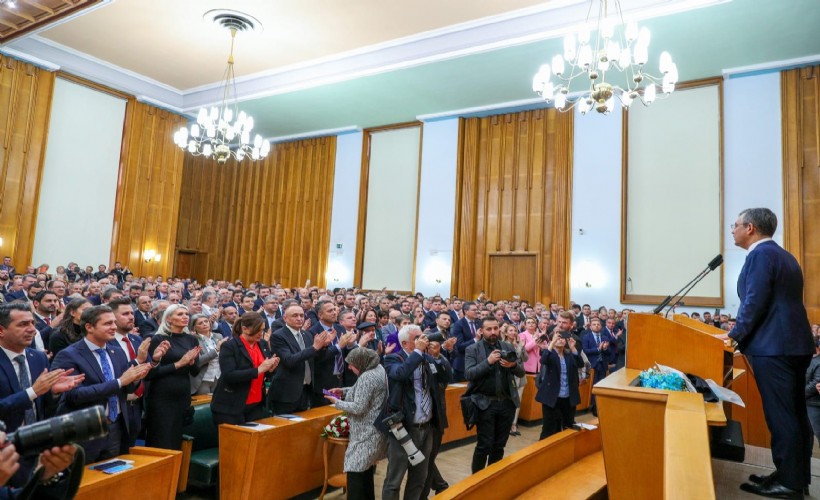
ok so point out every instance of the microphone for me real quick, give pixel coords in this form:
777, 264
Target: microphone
713, 264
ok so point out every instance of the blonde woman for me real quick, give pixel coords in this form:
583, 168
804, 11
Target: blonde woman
510, 334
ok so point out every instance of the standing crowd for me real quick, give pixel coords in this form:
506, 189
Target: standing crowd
140, 347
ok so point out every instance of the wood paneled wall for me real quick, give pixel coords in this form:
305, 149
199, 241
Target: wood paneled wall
265, 221
148, 190
514, 198
25, 107
800, 90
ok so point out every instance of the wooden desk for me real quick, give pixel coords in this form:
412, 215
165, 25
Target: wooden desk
154, 475
201, 399
456, 429
670, 447
276, 463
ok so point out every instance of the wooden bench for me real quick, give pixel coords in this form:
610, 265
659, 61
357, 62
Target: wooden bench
584, 479
567, 465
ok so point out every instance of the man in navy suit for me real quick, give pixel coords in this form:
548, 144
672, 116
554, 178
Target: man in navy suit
108, 378
26, 386
773, 332
330, 363
45, 307
465, 332
291, 387
601, 351
417, 383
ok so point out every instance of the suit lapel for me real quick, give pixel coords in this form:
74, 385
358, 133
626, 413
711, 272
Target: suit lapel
8, 369
243, 349
91, 359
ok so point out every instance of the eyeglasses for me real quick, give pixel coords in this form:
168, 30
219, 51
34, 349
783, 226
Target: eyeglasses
735, 225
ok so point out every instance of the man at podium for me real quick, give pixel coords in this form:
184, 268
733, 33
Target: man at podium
773, 332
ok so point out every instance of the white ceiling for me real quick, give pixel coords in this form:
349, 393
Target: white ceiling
170, 42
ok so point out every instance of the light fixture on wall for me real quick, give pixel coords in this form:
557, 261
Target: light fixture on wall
617, 47
151, 256
11, 4
223, 132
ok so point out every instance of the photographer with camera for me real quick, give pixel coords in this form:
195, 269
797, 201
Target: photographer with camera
414, 409
48, 484
491, 366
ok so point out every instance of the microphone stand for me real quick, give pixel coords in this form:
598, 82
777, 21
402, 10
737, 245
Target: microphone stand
689, 289
668, 299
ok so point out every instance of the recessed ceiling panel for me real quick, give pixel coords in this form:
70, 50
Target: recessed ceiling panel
169, 41
24, 16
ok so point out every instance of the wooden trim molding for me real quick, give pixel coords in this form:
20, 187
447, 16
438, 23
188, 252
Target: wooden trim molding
800, 109
364, 185
26, 92
628, 297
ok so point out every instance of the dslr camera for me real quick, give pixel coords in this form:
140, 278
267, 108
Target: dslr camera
394, 423
80, 425
509, 356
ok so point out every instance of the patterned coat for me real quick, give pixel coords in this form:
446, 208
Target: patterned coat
363, 403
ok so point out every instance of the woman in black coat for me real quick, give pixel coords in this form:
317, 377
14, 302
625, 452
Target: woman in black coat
174, 353
558, 385
244, 360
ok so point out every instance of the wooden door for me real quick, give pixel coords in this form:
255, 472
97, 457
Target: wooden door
184, 264
512, 274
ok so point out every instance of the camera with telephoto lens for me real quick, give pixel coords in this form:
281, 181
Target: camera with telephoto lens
80, 425
510, 356
394, 422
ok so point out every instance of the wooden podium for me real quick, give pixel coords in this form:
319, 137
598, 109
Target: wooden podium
656, 443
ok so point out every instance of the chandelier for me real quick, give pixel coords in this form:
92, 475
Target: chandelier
619, 48
222, 132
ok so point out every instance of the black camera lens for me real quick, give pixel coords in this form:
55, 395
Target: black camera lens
80, 425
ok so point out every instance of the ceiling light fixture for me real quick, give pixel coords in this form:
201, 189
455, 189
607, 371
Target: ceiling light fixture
617, 47
8, 3
223, 131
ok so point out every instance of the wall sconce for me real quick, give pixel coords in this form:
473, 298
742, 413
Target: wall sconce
1, 242
152, 256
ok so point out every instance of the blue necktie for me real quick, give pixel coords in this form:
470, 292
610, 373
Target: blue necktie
25, 383
106, 368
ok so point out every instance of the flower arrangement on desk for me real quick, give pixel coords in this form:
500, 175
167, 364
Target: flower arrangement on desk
654, 378
339, 427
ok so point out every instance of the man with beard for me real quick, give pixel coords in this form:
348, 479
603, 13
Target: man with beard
493, 392
136, 351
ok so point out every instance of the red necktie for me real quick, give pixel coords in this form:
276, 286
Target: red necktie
132, 355
47, 320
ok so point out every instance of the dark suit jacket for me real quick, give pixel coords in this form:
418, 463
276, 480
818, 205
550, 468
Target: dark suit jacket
771, 320
325, 362
238, 372
44, 329
288, 379
464, 338
550, 385
600, 360
94, 390
18, 295
13, 400
146, 327
225, 329
429, 321
453, 316
400, 367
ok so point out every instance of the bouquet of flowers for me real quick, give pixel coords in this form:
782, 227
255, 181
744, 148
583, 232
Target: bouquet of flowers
339, 427
654, 378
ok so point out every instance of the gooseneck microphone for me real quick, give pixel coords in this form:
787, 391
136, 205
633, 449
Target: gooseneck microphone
713, 264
